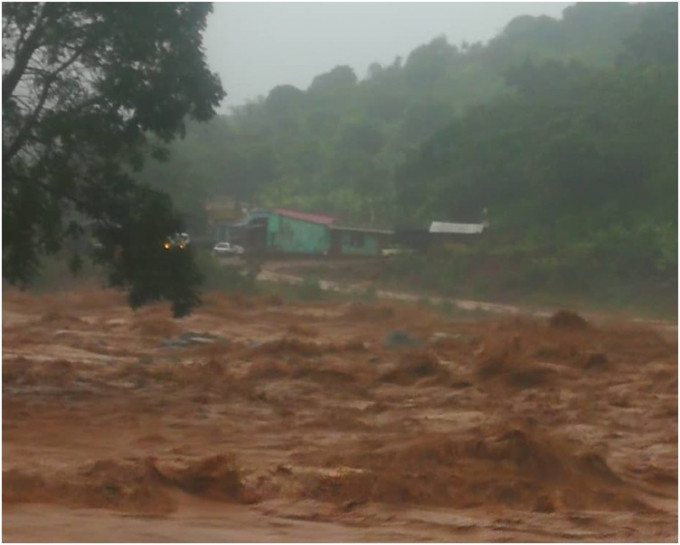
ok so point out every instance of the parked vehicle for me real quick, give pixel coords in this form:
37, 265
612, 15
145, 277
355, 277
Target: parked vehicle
178, 240
224, 249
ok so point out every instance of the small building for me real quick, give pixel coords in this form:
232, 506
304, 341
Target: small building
358, 241
446, 228
446, 233
440, 233
287, 231
291, 232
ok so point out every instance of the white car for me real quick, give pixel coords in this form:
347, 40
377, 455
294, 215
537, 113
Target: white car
222, 249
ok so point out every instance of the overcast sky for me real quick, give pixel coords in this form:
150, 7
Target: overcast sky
256, 46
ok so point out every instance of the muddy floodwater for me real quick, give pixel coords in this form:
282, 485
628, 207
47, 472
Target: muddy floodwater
259, 420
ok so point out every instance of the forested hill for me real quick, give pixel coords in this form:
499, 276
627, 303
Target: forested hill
549, 116
579, 162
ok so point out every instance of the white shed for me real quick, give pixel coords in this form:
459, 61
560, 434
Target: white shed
458, 228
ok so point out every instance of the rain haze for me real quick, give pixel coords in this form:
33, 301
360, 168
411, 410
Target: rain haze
257, 46
413, 280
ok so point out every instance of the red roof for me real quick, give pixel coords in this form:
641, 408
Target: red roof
303, 216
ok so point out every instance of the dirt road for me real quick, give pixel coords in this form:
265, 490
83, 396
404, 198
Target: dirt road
254, 420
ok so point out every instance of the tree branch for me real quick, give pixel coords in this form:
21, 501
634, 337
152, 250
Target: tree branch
22, 56
22, 37
21, 138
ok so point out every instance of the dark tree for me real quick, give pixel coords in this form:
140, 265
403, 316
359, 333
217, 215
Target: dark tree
89, 90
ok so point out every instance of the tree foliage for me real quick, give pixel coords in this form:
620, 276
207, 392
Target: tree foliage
85, 85
578, 157
336, 146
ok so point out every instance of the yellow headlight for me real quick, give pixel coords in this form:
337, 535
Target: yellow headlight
167, 245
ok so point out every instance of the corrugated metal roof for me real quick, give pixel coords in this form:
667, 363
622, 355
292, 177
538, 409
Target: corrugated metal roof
304, 216
457, 228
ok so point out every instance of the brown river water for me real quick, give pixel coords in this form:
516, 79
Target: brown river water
259, 420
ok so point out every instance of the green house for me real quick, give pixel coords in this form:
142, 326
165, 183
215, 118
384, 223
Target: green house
289, 231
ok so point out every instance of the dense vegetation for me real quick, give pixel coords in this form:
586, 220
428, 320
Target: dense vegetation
88, 92
577, 168
335, 147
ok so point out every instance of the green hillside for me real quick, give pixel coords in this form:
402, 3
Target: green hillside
335, 146
565, 131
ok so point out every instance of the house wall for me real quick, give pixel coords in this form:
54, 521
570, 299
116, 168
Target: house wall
356, 243
294, 236
301, 237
